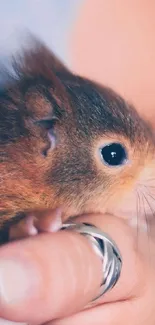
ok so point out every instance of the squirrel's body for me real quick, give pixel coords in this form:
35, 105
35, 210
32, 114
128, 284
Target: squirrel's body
53, 127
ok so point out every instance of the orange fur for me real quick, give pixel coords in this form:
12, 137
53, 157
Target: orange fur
85, 117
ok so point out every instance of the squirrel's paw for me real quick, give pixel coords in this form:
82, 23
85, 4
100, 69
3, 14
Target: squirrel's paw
35, 222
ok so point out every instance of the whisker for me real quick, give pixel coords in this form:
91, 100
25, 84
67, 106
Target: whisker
138, 208
147, 223
150, 179
151, 209
144, 199
148, 193
147, 186
138, 212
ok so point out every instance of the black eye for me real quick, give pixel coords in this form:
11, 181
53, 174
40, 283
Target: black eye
114, 154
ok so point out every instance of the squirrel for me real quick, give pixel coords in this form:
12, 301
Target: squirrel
71, 142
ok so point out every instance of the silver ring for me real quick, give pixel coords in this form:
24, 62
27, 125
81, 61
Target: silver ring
106, 249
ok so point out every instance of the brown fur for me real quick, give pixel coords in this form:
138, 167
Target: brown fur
43, 96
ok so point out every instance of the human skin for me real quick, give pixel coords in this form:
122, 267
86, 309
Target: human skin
54, 276
118, 63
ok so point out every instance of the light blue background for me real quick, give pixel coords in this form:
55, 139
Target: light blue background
51, 20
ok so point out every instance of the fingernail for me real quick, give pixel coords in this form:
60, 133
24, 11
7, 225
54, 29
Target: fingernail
15, 281
56, 224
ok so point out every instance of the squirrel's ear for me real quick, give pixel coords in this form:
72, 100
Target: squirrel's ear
35, 93
41, 50
38, 59
39, 72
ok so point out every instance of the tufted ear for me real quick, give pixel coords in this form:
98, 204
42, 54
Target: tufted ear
41, 76
37, 58
35, 96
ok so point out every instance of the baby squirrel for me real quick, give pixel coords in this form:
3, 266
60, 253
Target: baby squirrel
68, 141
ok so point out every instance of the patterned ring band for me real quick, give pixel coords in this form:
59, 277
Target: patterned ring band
107, 251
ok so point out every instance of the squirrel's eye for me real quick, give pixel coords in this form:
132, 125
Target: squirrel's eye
113, 154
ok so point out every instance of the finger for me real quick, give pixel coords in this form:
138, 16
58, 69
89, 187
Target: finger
7, 322
37, 221
126, 312
134, 250
130, 301
47, 276
53, 276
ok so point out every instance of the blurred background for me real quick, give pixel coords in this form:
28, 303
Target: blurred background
110, 41
51, 20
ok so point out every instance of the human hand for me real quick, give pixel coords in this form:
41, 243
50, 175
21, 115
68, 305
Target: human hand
52, 277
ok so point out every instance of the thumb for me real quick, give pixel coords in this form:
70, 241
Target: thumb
46, 277
52, 276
